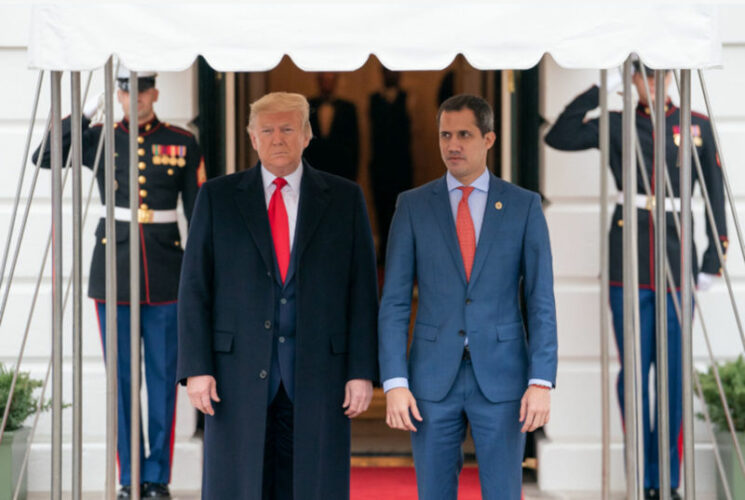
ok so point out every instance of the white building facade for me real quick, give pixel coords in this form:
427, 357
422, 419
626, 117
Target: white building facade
568, 461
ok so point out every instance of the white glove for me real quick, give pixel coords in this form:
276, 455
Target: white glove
615, 80
705, 280
94, 107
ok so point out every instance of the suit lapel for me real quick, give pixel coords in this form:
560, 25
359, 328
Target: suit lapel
489, 226
251, 200
314, 198
443, 212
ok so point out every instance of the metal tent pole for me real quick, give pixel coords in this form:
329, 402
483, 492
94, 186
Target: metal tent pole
660, 256
111, 296
77, 281
56, 157
604, 283
134, 287
687, 282
631, 364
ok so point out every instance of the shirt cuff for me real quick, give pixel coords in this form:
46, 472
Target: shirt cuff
541, 382
395, 383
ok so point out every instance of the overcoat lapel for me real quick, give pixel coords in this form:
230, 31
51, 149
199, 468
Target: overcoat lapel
250, 198
314, 198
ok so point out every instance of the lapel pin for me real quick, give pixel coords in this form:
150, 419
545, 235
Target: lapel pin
498, 205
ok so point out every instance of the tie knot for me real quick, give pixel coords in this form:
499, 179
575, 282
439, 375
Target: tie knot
467, 190
280, 182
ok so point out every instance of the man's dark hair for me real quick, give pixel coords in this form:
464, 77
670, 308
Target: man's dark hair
481, 110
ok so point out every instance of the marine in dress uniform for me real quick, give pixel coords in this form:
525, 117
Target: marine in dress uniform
170, 164
572, 132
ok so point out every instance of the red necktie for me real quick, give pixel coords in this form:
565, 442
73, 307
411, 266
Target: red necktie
466, 232
280, 227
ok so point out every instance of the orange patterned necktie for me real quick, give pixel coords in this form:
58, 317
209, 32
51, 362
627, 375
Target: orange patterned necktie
465, 230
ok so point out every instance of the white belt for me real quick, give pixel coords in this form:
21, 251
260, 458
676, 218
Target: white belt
144, 216
647, 202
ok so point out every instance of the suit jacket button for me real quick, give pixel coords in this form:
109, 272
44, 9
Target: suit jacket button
283, 301
468, 301
281, 340
462, 333
262, 374
267, 324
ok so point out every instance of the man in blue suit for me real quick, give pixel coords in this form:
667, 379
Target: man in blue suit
468, 240
277, 318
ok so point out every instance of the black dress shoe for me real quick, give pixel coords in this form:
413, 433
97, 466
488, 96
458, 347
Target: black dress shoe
651, 493
674, 495
155, 490
124, 492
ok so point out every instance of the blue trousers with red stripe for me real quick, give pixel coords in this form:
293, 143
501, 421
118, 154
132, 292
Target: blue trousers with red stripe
648, 346
159, 336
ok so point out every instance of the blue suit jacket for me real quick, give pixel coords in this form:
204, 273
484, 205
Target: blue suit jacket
423, 248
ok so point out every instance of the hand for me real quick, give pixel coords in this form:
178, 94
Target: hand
704, 281
357, 396
615, 80
93, 106
535, 408
202, 390
398, 403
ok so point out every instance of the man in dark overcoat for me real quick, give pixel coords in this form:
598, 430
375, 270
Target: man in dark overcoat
277, 318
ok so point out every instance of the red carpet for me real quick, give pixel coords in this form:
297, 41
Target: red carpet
399, 483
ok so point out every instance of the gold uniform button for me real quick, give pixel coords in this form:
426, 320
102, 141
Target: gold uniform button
141, 152
141, 165
143, 193
148, 127
103, 240
141, 179
144, 206
170, 171
140, 140
116, 184
725, 244
620, 222
177, 243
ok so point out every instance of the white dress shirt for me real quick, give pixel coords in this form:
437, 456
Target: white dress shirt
290, 195
477, 207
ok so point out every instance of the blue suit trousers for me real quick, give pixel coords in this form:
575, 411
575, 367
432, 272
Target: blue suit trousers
495, 427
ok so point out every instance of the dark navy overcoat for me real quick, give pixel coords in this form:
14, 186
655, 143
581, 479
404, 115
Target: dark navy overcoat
226, 306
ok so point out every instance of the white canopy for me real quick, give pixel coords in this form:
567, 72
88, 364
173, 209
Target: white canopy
341, 35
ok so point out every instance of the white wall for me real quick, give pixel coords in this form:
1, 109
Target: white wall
570, 460
177, 104
571, 181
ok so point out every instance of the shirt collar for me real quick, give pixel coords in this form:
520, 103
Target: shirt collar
293, 179
481, 183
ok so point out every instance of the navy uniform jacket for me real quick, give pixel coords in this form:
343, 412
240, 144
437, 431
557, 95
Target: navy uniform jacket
170, 163
572, 132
